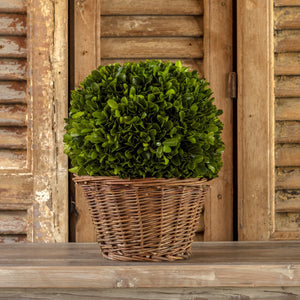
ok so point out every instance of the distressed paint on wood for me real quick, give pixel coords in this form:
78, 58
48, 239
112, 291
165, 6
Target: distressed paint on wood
12, 24
287, 221
287, 18
151, 47
133, 26
13, 6
13, 222
13, 138
12, 159
287, 177
12, 239
153, 7
13, 92
13, 115
287, 63
287, 155
13, 69
13, 47
287, 132
287, 109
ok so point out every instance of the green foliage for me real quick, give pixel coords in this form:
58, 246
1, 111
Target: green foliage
147, 119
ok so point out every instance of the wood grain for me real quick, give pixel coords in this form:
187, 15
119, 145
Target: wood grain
151, 47
13, 115
211, 265
287, 109
286, 3
287, 132
287, 201
13, 138
287, 86
12, 24
255, 119
287, 63
287, 41
13, 6
287, 178
289, 207
155, 7
13, 222
287, 155
287, 18
287, 221
13, 69
13, 92
13, 159
133, 26
13, 47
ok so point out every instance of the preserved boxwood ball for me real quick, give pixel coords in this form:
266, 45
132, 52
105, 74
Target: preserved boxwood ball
147, 119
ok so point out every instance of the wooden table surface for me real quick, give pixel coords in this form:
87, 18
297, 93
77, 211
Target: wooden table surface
213, 264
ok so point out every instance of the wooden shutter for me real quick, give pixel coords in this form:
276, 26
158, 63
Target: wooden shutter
269, 114
199, 33
33, 102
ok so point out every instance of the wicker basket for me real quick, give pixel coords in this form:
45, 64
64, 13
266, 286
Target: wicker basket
144, 219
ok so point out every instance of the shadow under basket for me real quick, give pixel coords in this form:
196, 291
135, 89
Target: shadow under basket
144, 219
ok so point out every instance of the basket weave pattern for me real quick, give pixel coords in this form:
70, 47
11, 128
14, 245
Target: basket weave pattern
144, 219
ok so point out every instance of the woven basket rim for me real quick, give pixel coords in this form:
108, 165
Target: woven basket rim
150, 180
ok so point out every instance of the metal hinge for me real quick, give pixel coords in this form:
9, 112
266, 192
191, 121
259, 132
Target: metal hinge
232, 83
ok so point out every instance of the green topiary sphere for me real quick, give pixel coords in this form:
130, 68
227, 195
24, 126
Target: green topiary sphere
147, 119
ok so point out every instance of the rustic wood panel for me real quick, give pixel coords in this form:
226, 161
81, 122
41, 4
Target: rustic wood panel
12, 159
128, 26
12, 239
13, 115
13, 69
228, 293
287, 18
13, 6
211, 265
154, 7
288, 206
13, 138
15, 190
287, 41
287, 109
255, 109
287, 132
151, 47
13, 47
287, 155
12, 24
287, 221
13, 222
288, 200
286, 2
287, 178
13, 92
287, 86
287, 63
192, 64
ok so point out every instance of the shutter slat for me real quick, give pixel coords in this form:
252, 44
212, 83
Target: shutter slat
287, 3
12, 159
13, 47
13, 222
287, 18
13, 92
12, 24
13, 6
287, 64
13, 138
287, 178
287, 155
13, 69
287, 109
13, 115
287, 41
287, 86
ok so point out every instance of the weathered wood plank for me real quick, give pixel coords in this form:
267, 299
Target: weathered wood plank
211, 265
129, 26
13, 92
13, 222
12, 239
13, 69
155, 7
15, 190
289, 206
12, 159
192, 64
286, 2
287, 18
287, 132
287, 155
151, 47
287, 41
287, 178
287, 221
13, 115
287, 63
228, 293
13, 6
287, 109
13, 138
287, 86
13, 47
12, 24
